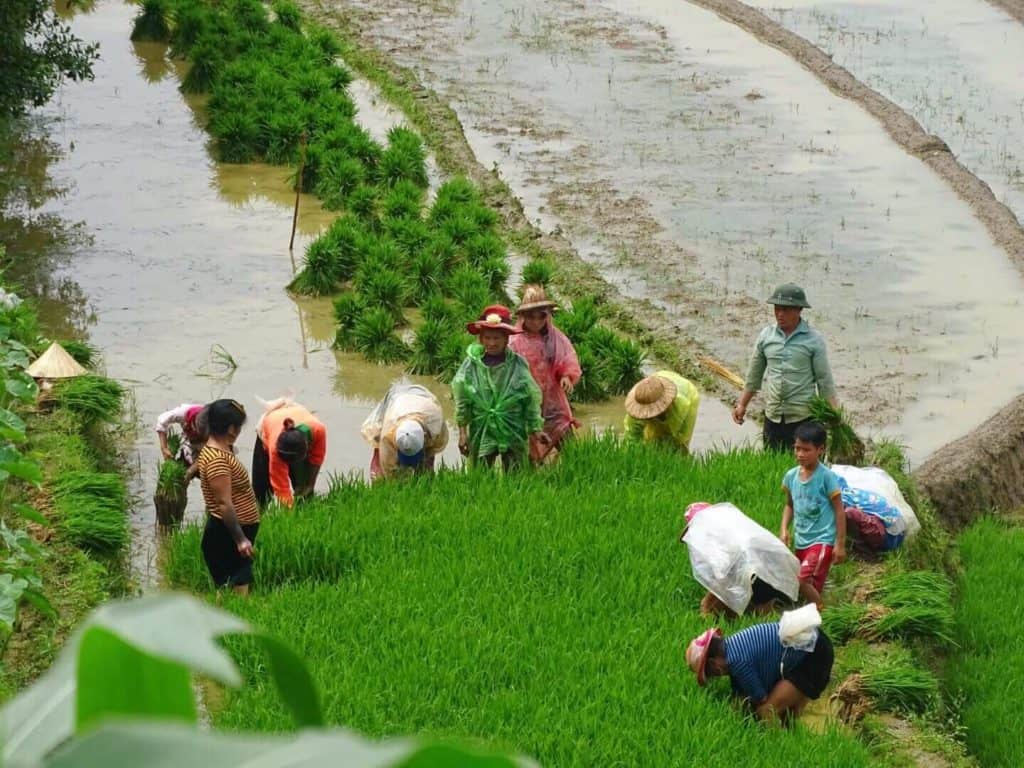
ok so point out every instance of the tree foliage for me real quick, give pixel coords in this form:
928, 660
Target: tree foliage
37, 52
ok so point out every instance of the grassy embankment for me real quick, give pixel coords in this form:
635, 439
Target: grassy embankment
271, 80
547, 613
79, 556
988, 668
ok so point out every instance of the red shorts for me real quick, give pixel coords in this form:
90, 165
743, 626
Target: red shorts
814, 564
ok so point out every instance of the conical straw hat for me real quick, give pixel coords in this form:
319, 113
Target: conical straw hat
650, 397
55, 363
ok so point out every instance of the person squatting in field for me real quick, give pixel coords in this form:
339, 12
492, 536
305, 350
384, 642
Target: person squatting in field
791, 361
662, 409
407, 430
233, 516
291, 445
775, 681
744, 567
814, 509
497, 402
553, 365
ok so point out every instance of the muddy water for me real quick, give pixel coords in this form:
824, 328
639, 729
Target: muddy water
663, 141
178, 253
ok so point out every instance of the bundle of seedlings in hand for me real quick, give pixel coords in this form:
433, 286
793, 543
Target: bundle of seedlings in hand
91, 509
152, 24
171, 494
538, 272
94, 398
375, 339
844, 446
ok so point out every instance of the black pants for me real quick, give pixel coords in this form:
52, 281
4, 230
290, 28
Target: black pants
227, 567
261, 474
812, 674
779, 436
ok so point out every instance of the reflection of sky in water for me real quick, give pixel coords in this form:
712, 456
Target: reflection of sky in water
756, 174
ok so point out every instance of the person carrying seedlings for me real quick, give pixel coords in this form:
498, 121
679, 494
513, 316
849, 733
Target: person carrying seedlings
662, 408
743, 567
814, 509
497, 402
233, 516
775, 680
291, 445
406, 429
191, 418
791, 362
553, 365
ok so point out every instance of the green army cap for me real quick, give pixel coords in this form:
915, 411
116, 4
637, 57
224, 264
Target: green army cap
789, 295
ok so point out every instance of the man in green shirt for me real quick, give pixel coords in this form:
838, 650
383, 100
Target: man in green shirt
791, 362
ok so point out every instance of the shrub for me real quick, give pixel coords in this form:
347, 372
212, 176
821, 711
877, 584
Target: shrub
404, 159
152, 23
375, 338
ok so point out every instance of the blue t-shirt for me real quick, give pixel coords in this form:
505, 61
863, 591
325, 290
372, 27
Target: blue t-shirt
814, 519
757, 660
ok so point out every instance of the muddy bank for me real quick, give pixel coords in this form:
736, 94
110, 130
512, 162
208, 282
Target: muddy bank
1013, 7
1000, 221
981, 472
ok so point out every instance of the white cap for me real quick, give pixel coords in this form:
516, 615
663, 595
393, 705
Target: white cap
409, 437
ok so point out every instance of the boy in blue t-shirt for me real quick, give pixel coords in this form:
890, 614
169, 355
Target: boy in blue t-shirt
814, 506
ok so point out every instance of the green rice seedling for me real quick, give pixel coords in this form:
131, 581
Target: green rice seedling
453, 194
320, 274
354, 141
237, 135
387, 291
844, 446
339, 176
153, 22
282, 131
538, 272
348, 308
171, 494
622, 365
915, 588
460, 228
403, 201
591, 387
435, 307
495, 272
249, 15
363, 202
287, 14
404, 159
94, 399
90, 507
325, 43
577, 321
102, 485
375, 338
428, 346
427, 276
381, 255
83, 352
442, 246
899, 683
842, 622
468, 288
484, 249
485, 217
310, 85
340, 78
191, 21
207, 60
412, 235
349, 243
912, 621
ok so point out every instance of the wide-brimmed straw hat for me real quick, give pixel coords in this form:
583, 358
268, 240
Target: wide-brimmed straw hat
496, 318
535, 297
56, 363
697, 653
650, 397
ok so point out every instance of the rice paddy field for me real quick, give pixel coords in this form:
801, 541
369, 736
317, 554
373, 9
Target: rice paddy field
542, 613
989, 667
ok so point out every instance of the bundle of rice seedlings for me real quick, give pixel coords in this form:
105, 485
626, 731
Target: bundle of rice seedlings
455, 192
249, 15
102, 485
91, 509
84, 353
388, 291
287, 14
191, 20
932, 621
349, 243
538, 272
844, 446
485, 217
495, 272
460, 228
319, 275
404, 159
207, 59
842, 622
898, 683
453, 352
403, 201
590, 388
427, 276
374, 337
95, 399
364, 203
445, 249
411, 234
434, 307
171, 494
577, 321
915, 588
282, 131
348, 308
153, 22
428, 346
484, 248
338, 177
621, 365
237, 135
326, 44
470, 291
381, 255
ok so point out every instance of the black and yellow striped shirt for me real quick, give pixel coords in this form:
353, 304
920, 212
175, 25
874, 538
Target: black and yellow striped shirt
214, 463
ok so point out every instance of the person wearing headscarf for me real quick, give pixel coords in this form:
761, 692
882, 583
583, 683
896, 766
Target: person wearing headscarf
553, 364
497, 402
406, 429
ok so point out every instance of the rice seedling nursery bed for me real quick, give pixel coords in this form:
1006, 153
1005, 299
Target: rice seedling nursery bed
544, 613
989, 666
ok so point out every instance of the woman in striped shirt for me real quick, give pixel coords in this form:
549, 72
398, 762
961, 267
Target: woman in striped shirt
233, 515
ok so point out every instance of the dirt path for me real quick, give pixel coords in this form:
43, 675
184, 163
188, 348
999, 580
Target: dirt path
1013, 7
904, 129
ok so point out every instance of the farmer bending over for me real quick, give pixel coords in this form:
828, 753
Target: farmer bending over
662, 408
776, 681
407, 430
291, 444
814, 508
192, 419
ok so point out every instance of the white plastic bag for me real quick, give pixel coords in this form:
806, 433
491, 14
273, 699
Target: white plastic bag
727, 549
402, 400
879, 481
799, 628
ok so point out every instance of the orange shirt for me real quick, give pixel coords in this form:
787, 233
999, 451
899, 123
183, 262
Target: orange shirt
271, 429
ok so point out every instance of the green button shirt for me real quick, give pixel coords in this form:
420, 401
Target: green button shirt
793, 370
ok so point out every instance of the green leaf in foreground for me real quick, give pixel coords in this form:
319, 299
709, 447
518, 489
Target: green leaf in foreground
11, 590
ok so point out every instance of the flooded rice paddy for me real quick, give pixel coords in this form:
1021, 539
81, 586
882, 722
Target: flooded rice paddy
698, 167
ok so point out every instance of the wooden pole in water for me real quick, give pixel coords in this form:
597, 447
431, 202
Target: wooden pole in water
298, 187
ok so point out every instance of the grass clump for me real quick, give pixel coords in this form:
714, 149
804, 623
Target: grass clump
525, 611
95, 399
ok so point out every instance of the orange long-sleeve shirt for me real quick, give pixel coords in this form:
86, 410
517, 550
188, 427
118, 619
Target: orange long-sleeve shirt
271, 429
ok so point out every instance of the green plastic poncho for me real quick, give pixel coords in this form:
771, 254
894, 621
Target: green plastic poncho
500, 404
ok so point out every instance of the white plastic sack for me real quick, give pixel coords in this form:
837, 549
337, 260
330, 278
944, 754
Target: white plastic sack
727, 549
402, 400
799, 628
879, 481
